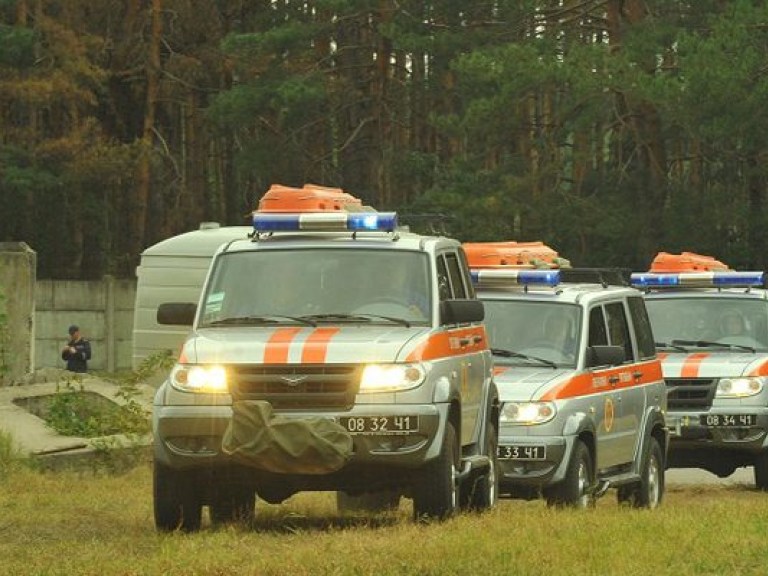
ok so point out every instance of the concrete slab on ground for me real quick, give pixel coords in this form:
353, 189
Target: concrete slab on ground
31, 434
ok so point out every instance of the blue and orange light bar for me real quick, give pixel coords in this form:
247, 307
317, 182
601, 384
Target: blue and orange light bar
324, 221
508, 278
729, 279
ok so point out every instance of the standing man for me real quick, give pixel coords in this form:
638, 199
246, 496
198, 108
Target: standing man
77, 352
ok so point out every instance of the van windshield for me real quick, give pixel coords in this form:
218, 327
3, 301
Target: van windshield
685, 322
540, 330
318, 285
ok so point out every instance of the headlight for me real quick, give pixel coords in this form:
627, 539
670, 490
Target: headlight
210, 379
391, 377
527, 413
738, 387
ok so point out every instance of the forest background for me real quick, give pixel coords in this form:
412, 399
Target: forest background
609, 129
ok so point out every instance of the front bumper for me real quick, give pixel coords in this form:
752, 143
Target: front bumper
689, 430
191, 436
522, 471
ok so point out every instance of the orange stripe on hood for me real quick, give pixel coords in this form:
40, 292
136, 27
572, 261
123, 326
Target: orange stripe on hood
316, 346
450, 343
691, 365
276, 351
761, 370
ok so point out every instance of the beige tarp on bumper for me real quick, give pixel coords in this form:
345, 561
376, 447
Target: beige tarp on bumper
300, 446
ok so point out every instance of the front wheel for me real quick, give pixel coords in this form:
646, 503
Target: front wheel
177, 504
576, 488
650, 490
437, 491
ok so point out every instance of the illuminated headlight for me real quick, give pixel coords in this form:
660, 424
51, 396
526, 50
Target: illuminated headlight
391, 377
738, 387
527, 413
210, 379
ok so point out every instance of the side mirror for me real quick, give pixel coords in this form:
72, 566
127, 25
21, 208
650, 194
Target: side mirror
179, 313
461, 311
605, 356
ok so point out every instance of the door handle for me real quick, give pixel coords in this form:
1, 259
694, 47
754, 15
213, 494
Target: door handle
613, 380
637, 375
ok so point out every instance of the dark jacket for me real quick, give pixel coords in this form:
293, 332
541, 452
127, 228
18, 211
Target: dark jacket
77, 361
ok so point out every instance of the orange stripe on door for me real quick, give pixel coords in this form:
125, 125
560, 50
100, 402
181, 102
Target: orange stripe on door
316, 346
450, 343
601, 380
691, 365
276, 351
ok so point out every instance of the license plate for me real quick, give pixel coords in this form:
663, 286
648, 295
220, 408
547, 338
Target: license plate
728, 420
517, 452
378, 425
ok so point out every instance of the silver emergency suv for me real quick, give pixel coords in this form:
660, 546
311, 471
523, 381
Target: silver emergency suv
582, 397
353, 361
712, 336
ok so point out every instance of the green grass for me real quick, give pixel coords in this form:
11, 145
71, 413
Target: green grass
93, 523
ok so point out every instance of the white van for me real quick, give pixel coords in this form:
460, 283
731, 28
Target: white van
173, 270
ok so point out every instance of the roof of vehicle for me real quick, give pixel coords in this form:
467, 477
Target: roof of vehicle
198, 243
313, 216
497, 271
689, 274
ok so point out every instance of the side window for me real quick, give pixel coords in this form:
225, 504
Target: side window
467, 277
597, 333
455, 274
618, 331
643, 332
444, 284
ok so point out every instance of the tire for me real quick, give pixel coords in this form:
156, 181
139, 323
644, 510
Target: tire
384, 501
649, 492
436, 494
233, 504
575, 490
483, 494
177, 505
761, 471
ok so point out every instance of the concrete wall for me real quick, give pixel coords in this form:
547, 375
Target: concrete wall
103, 309
18, 265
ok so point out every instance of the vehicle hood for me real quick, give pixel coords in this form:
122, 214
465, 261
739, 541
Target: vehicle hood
302, 344
713, 364
524, 383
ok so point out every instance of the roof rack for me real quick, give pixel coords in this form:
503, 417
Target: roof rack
314, 209
665, 263
513, 254
604, 276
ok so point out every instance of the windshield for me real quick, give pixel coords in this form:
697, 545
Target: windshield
312, 286
545, 331
694, 322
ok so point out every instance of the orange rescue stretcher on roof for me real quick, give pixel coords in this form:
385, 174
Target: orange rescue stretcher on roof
664, 262
519, 254
310, 198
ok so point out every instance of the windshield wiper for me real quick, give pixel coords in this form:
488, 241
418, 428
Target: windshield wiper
710, 344
355, 318
256, 320
511, 354
672, 345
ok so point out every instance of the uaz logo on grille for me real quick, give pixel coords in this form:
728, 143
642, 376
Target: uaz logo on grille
293, 381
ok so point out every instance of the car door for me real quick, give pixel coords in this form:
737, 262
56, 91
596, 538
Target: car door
468, 369
606, 404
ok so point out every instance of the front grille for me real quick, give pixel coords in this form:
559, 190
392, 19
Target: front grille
297, 387
690, 393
